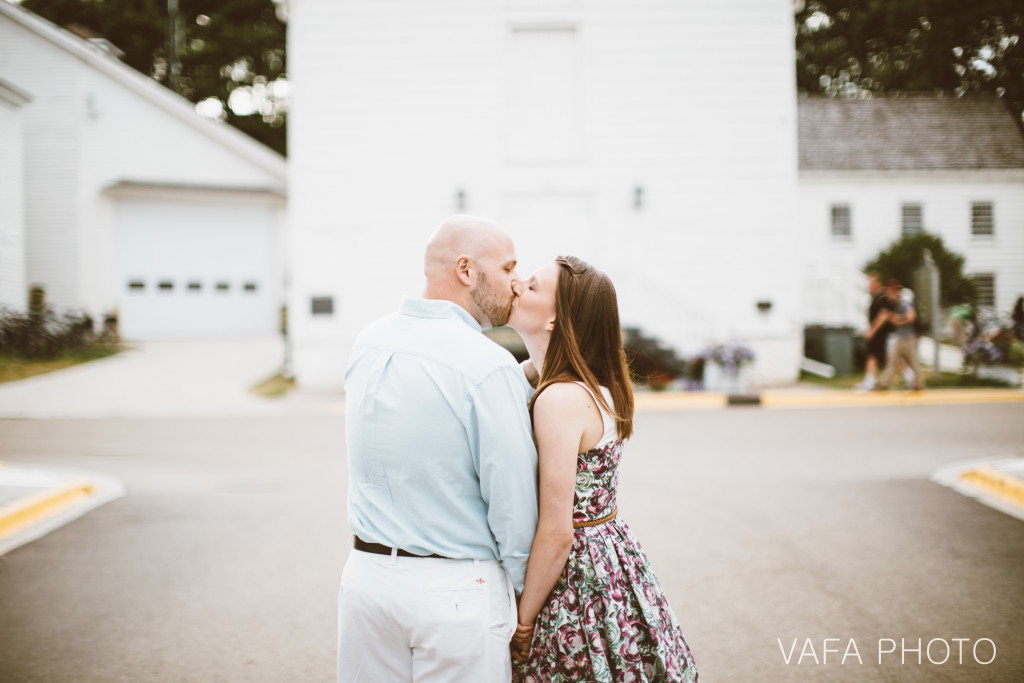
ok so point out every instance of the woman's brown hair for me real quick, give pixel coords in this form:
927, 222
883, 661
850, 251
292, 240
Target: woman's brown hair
586, 342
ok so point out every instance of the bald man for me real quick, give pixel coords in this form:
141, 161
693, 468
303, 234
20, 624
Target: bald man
442, 474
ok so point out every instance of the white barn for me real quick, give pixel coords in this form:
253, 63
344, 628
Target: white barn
618, 131
118, 197
872, 170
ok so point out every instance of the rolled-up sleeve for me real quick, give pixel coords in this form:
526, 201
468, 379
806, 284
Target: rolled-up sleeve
506, 461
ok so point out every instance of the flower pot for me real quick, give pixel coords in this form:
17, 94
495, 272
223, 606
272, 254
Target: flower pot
727, 379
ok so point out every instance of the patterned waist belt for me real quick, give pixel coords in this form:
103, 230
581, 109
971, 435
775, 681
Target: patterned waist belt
594, 522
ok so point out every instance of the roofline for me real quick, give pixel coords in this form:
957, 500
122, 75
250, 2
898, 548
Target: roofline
143, 188
94, 56
12, 95
1000, 174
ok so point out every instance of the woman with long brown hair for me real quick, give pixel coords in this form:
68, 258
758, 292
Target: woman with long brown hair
592, 608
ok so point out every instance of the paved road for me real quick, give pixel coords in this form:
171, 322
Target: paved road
222, 562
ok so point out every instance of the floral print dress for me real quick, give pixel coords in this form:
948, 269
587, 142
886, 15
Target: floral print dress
607, 618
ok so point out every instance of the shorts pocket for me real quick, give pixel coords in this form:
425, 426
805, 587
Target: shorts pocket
453, 606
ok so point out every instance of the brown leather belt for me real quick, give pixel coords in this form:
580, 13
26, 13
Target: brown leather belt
595, 522
378, 549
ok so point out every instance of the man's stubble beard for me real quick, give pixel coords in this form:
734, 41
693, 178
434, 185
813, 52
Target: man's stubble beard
495, 307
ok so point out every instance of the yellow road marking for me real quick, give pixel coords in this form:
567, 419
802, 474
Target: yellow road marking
676, 400
1000, 484
39, 506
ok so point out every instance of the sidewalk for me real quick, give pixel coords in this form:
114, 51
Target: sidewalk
160, 379
34, 501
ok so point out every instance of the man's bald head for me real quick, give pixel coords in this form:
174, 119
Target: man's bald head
471, 261
461, 235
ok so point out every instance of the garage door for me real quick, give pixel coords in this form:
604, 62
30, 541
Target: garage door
196, 269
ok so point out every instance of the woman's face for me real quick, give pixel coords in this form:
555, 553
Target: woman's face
533, 309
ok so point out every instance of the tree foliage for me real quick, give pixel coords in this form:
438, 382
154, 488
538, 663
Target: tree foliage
854, 48
223, 46
903, 258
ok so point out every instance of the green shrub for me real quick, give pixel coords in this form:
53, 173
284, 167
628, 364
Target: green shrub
46, 335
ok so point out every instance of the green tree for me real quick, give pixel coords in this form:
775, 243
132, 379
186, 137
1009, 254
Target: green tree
904, 257
856, 47
223, 46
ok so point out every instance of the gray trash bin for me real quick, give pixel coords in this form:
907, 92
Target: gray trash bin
832, 345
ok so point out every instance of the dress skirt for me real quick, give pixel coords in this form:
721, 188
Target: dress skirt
607, 618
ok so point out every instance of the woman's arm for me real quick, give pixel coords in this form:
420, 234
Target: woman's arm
561, 416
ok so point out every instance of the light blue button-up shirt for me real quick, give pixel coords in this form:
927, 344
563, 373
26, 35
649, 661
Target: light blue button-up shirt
440, 449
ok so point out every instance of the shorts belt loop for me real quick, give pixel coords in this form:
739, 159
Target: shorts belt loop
476, 563
394, 556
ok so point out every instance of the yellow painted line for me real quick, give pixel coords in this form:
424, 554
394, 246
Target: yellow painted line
1000, 484
39, 506
794, 399
787, 398
675, 400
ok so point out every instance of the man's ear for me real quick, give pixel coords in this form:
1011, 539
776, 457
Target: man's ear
464, 269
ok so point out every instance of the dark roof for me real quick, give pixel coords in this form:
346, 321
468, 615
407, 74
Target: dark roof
908, 133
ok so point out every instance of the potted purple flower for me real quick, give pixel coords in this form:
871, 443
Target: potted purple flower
724, 367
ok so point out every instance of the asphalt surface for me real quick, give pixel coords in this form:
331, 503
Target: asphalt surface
771, 530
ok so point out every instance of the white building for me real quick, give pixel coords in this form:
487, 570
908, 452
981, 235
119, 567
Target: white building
130, 201
12, 196
873, 170
622, 132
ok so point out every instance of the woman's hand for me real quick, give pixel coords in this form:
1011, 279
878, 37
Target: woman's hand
520, 644
531, 371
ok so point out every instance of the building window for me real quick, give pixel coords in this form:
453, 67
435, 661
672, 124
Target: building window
985, 284
195, 286
841, 220
912, 222
223, 287
981, 219
249, 287
323, 305
166, 286
136, 285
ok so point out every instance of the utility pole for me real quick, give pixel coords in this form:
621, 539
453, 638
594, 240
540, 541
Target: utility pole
933, 282
173, 49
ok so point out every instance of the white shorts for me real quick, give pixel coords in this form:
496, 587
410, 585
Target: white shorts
424, 619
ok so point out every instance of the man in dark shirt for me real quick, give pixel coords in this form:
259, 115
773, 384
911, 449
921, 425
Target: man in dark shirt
905, 336
879, 327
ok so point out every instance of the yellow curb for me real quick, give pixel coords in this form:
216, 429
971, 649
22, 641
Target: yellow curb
700, 400
39, 506
675, 400
1000, 484
791, 399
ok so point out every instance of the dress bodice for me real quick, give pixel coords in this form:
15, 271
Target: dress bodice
597, 471
597, 477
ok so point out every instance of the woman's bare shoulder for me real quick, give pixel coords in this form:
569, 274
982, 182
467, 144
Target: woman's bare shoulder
563, 396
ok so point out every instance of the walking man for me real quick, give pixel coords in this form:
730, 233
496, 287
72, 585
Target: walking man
904, 348
442, 475
878, 331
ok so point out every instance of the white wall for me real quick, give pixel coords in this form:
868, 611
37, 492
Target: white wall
399, 106
96, 122
13, 291
833, 279
51, 172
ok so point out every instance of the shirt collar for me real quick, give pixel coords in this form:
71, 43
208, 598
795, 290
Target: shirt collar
437, 308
